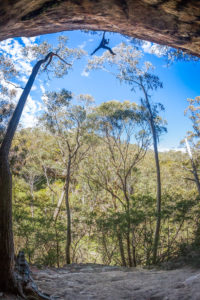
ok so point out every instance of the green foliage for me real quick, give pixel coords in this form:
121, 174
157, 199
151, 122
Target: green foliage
99, 220
99, 158
193, 111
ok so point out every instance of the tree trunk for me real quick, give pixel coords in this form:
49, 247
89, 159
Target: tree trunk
7, 280
68, 211
12, 126
121, 248
56, 212
194, 169
128, 228
158, 210
57, 248
119, 237
7, 274
128, 240
129, 247
158, 196
134, 249
32, 198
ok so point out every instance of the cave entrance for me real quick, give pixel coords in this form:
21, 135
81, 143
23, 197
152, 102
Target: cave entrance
103, 86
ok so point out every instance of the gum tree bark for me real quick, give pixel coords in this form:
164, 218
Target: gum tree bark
156, 157
68, 211
194, 168
7, 273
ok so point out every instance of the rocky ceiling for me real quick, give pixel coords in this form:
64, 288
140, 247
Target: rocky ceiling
171, 22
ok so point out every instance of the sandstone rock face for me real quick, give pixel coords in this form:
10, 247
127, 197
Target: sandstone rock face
171, 22
98, 282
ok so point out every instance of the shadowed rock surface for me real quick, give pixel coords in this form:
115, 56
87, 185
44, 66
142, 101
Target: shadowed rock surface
81, 282
170, 22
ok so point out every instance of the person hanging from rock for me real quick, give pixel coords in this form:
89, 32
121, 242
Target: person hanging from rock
103, 44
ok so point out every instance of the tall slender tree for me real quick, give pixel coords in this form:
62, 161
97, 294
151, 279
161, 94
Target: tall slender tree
8, 280
7, 275
130, 71
68, 125
122, 131
193, 111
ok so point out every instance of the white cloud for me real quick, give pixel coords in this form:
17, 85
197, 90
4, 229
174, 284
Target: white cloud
24, 79
85, 74
158, 50
32, 108
147, 47
27, 41
28, 120
165, 149
82, 45
155, 49
42, 88
13, 49
25, 67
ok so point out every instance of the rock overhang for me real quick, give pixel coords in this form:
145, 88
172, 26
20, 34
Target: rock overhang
175, 23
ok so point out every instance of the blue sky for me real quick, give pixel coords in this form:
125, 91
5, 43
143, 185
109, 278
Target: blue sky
181, 81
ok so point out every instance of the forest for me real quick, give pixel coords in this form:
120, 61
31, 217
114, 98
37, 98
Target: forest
88, 181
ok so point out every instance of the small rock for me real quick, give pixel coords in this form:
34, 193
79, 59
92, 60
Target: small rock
179, 285
191, 279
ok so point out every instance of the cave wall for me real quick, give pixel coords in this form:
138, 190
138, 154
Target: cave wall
171, 22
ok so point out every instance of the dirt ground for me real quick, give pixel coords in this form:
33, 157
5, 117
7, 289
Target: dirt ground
88, 282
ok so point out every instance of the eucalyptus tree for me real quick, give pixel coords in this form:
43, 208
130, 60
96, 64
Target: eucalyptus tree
131, 71
7, 72
192, 141
124, 139
172, 55
8, 277
68, 125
